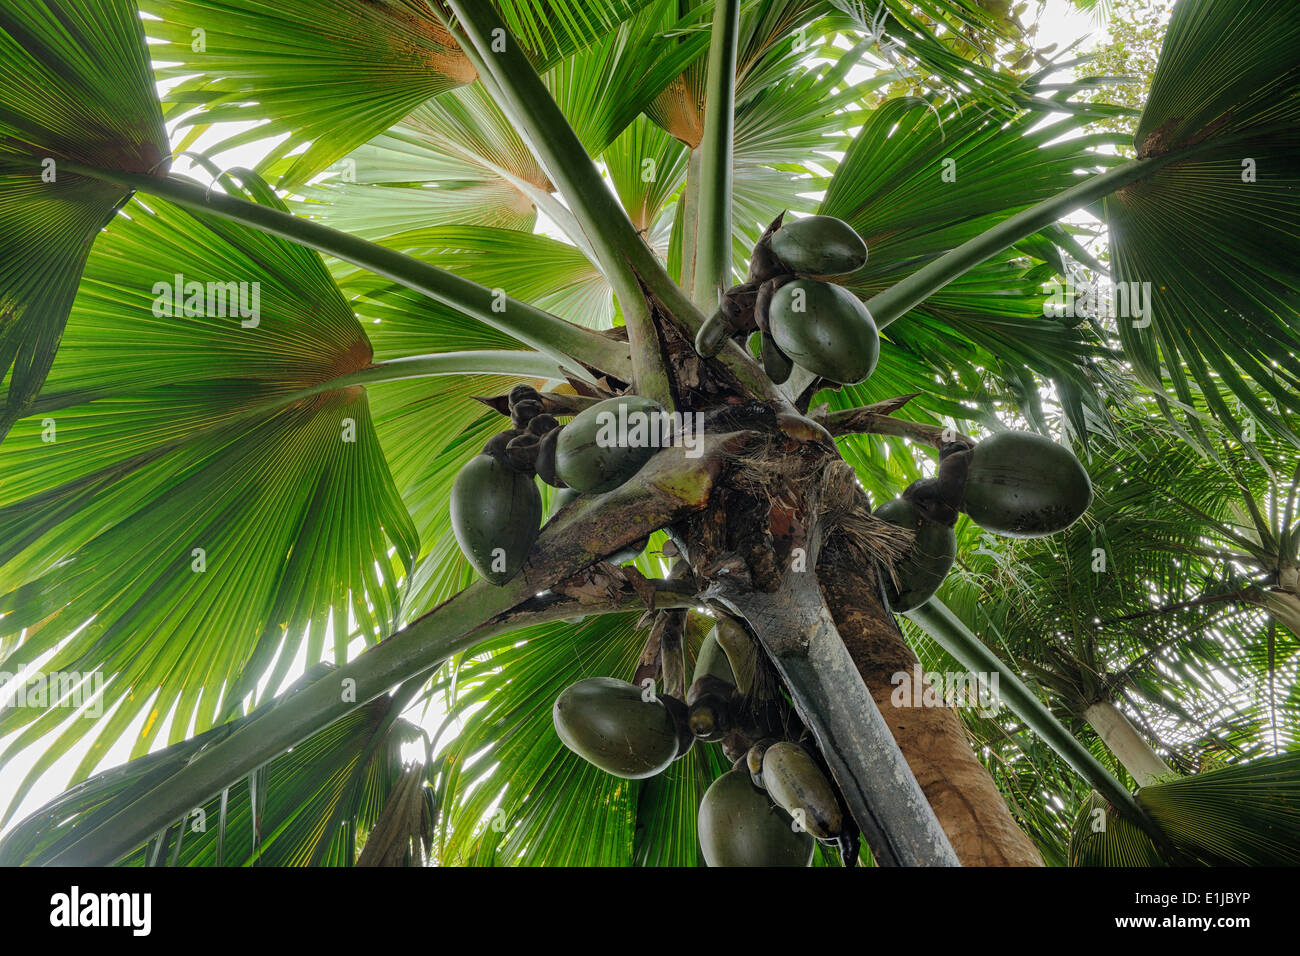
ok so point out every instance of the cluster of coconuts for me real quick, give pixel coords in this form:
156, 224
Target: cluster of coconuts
496, 505
803, 319
776, 801
1016, 484
768, 810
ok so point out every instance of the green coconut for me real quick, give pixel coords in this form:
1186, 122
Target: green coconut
562, 498
607, 444
739, 826
926, 563
608, 723
798, 786
495, 514
544, 461
1023, 485
754, 761
826, 329
712, 659
819, 246
629, 553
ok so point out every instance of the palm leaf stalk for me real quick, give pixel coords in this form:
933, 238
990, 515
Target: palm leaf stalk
528, 324
624, 257
712, 246
953, 636
325, 789
486, 362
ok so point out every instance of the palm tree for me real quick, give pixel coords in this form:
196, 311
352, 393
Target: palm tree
1146, 625
195, 504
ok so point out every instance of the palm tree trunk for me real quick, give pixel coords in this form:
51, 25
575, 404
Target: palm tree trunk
969, 807
784, 546
1123, 740
1284, 606
796, 629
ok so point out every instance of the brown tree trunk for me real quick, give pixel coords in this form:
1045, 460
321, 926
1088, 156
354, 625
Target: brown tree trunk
966, 801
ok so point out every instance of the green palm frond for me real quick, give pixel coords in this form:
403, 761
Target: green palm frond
1246, 815
787, 133
553, 29
332, 76
75, 85
513, 794
204, 506
381, 212
918, 182
456, 159
926, 31
511, 791
602, 88
1215, 234
647, 167
530, 267
425, 468
667, 829
1101, 837
310, 806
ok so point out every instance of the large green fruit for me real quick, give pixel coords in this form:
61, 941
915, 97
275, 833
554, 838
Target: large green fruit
1025, 486
606, 722
628, 553
495, 514
825, 329
561, 498
739, 826
796, 783
928, 562
713, 660
819, 246
607, 444
737, 650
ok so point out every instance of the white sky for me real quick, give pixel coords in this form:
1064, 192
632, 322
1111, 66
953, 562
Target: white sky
1060, 23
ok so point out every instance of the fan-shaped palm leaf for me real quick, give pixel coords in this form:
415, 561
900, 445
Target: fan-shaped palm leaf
75, 85
308, 806
1248, 815
455, 159
917, 183
299, 63
160, 503
1216, 234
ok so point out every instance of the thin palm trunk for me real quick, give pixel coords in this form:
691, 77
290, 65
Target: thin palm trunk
1284, 606
1121, 737
934, 741
948, 631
